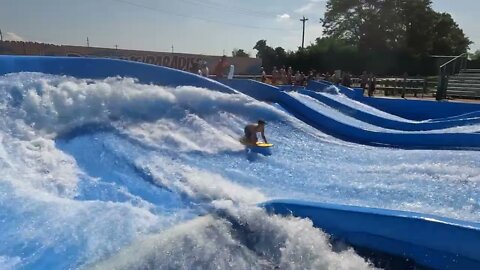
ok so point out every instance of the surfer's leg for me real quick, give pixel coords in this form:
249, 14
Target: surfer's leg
254, 139
249, 136
246, 134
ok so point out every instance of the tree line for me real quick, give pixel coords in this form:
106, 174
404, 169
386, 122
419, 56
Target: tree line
381, 36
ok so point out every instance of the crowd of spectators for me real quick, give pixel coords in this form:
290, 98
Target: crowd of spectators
288, 76
200, 67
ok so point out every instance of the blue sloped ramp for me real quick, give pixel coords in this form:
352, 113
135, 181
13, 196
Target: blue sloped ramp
415, 109
389, 123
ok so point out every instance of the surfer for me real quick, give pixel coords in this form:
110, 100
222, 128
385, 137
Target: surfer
252, 130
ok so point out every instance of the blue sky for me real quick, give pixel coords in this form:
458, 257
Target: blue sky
191, 26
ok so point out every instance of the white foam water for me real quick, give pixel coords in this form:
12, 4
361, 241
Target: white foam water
90, 167
260, 241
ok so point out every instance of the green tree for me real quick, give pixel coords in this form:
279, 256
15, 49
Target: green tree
448, 38
281, 56
369, 24
239, 53
343, 19
398, 25
419, 21
262, 48
475, 55
267, 54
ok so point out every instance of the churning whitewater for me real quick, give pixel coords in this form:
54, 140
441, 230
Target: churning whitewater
103, 174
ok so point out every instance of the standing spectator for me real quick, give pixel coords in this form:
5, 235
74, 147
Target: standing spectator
346, 79
283, 76
419, 82
372, 85
334, 79
424, 86
264, 75
221, 67
297, 78
337, 77
275, 75
349, 79
404, 86
195, 67
311, 76
328, 77
204, 71
364, 81
289, 75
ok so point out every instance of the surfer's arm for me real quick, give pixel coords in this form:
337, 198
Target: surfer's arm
263, 136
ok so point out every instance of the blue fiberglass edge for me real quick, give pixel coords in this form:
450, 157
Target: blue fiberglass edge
257, 90
346, 132
429, 240
100, 68
418, 110
384, 122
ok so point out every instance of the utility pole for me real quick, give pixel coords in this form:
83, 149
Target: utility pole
173, 49
303, 20
116, 47
1, 35
88, 42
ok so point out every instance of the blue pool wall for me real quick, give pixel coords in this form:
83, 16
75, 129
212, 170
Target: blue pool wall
100, 68
431, 241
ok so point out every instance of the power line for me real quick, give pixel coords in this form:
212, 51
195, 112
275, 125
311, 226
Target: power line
246, 10
235, 10
176, 14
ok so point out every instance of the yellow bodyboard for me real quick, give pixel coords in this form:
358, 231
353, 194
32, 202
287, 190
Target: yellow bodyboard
262, 144
259, 144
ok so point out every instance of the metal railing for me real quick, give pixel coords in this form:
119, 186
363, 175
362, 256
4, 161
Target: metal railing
400, 86
451, 67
